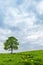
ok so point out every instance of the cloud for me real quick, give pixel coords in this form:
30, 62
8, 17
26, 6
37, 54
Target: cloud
14, 16
4, 34
24, 20
39, 7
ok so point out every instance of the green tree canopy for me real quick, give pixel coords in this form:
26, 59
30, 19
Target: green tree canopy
11, 44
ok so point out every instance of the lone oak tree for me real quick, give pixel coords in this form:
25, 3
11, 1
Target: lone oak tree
11, 44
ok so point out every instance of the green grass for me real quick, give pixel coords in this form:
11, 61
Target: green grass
22, 58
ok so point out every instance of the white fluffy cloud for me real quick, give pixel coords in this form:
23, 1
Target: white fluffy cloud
4, 34
13, 17
39, 7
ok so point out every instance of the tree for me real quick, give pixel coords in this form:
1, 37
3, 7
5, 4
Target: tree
11, 44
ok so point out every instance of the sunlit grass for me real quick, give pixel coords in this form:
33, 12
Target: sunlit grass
23, 58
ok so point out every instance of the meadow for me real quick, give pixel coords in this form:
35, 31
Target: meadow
22, 58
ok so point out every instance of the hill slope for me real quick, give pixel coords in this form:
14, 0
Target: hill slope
22, 58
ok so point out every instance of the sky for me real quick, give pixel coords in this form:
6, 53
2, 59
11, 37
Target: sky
24, 20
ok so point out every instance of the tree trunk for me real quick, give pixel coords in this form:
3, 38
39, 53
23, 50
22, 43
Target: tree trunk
11, 50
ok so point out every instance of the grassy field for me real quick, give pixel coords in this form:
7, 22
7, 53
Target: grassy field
23, 58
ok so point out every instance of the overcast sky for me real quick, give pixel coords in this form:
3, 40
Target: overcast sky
24, 20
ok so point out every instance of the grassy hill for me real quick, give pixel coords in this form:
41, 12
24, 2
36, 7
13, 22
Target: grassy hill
22, 58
